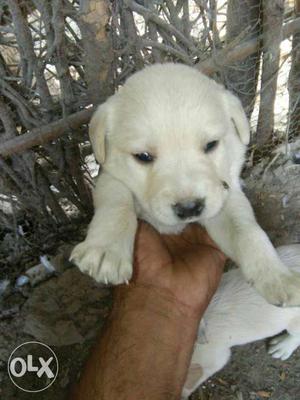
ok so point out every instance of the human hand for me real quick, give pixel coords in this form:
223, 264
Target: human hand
189, 265
155, 319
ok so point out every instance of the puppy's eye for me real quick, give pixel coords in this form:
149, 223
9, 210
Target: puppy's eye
144, 157
211, 146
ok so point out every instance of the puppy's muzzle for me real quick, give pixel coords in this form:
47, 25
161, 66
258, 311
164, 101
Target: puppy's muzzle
189, 208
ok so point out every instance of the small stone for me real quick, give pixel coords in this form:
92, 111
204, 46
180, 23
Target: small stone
39, 273
285, 201
22, 280
47, 264
296, 157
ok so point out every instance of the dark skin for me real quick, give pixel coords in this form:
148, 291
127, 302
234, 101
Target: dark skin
146, 348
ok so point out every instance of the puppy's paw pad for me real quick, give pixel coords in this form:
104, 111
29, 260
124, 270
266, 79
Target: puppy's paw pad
283, 346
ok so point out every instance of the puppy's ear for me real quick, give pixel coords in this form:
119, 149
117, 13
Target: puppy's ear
99, 127
238, 117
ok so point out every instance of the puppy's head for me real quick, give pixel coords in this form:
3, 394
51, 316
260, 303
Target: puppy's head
176, 139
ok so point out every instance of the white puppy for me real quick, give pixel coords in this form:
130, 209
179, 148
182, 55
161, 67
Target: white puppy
238, 315
171, 144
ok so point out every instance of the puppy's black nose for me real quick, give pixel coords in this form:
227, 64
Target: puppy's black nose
189, 208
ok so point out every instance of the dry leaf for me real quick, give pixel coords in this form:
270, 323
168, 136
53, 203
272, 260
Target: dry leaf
263, 393
282, 376
220, 380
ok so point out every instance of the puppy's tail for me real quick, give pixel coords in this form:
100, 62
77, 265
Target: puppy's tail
290, 255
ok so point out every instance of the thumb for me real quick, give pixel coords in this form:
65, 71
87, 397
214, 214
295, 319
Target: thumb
150, 251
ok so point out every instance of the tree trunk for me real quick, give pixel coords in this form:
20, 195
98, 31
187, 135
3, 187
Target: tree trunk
243, 20
95, 15
273, 11
294, 83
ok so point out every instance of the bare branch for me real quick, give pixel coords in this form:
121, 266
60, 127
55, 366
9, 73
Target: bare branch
272, 37
228, 56
149, 15
7, 119
30, 62
44, 134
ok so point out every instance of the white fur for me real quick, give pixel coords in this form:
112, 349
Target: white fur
173, 111
238, 315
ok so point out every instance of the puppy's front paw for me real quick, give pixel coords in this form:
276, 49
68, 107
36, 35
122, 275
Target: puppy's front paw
283, 346
280, 289
104, 264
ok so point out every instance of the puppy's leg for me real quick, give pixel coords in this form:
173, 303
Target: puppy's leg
207, 359
238, 234
284, 345
106, 253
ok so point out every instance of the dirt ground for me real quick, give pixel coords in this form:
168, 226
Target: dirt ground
68, 310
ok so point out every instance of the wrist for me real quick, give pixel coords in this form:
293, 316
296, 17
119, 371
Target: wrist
158, 335
145, 350
153, 299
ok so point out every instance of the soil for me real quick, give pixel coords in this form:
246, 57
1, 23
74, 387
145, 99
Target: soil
68, 310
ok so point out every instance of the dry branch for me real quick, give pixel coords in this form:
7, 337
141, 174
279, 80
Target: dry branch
44, 134
272, 36
30, 63
7, 120
243, 19
150, 15
228, 56
294, 83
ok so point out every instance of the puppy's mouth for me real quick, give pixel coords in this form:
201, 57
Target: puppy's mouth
175, 221
190, 220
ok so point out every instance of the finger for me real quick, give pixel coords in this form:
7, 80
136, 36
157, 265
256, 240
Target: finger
197, 234
192, 235
150, 251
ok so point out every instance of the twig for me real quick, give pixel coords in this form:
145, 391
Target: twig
270, 165
151, 16
167, 49
7, 120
